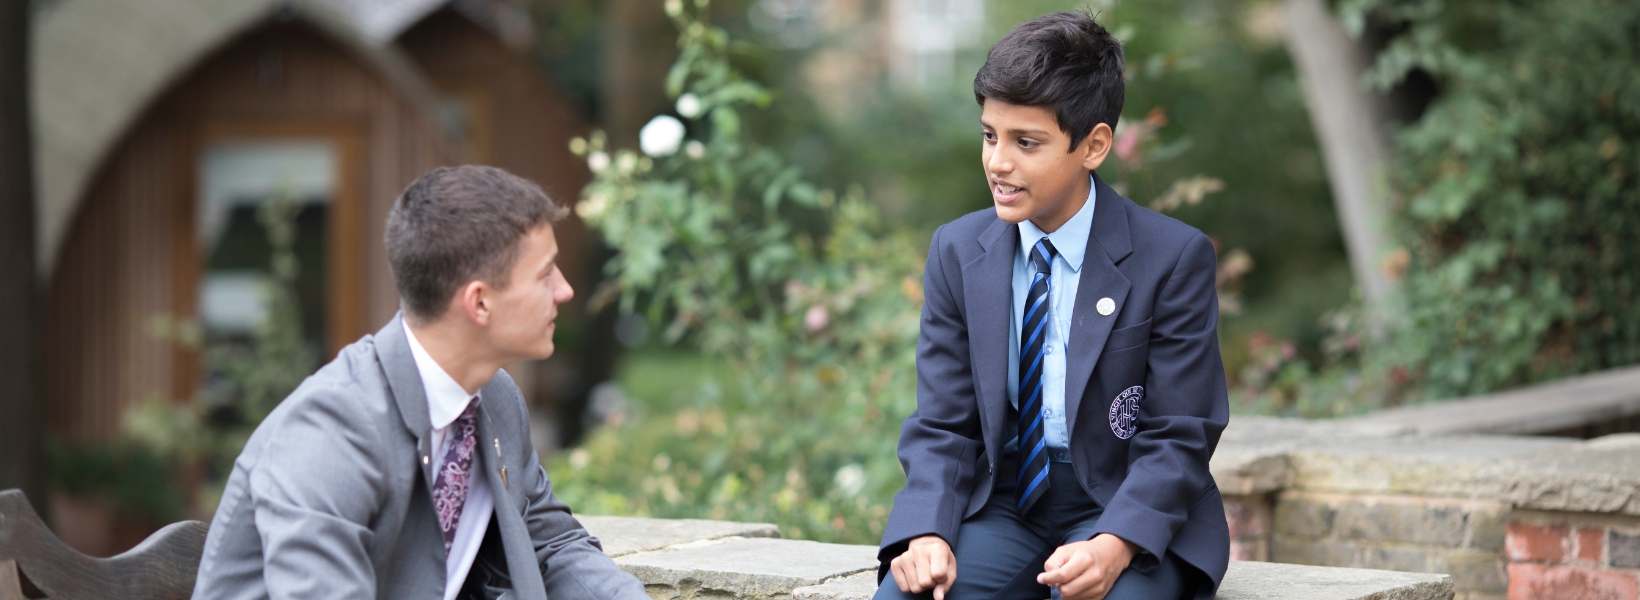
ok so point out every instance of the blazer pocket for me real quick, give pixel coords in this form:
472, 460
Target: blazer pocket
1128, 337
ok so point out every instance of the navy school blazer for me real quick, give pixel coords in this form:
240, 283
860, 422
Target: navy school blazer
1154, 484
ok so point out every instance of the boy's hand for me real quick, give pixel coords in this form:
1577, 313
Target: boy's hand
926, 564
1087, 570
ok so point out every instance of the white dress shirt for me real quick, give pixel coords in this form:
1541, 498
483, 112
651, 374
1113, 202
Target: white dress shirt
446, 400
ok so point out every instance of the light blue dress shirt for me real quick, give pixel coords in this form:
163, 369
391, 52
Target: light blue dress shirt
1071, 242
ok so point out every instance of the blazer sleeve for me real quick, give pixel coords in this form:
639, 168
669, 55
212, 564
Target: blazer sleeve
1184, 410
316, 487
939, 442
573, 563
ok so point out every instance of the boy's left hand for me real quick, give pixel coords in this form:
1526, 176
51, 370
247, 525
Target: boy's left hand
1087, 570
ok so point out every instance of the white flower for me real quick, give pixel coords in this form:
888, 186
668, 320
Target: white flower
850, 479
661, 137
689, 106
694, 149
598, 161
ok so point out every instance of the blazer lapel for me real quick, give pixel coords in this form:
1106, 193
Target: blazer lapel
494, 446
404, 380
987, 283
1108, 244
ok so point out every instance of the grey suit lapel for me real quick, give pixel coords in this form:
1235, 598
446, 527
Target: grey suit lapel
987, 283
404, 379
1100, 279
494, 446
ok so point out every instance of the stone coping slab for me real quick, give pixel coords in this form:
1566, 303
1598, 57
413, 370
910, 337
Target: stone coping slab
748, 568
1542, 408
1245, 581
1262, 455
1248, 580
1252, 456
627, 535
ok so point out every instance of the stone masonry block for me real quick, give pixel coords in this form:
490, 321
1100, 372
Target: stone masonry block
1304, 517
853, 587
1275, 581
1249, 516
1411, 559
744, 568
1591, 544
626, 535
1559, 582
1442, 525
1328, 553
1472, 571
1488, 527
1624, 550
1542, 543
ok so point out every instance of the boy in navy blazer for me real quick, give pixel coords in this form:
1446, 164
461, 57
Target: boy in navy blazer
1069, 385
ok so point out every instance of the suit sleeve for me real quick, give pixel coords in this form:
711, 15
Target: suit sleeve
939, 442
573, 563
316, 488
1184, 410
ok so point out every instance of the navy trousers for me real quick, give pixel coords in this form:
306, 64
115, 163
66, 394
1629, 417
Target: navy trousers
1000, 552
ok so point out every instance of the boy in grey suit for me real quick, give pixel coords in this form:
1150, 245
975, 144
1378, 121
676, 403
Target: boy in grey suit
404, 469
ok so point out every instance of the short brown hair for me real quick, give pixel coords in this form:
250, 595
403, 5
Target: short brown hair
457, 224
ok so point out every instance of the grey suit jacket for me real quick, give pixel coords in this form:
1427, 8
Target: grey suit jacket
332, 496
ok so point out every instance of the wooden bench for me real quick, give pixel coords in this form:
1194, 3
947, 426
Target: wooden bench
35, 564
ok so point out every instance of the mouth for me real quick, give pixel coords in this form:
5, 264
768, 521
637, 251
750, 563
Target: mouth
1004, 193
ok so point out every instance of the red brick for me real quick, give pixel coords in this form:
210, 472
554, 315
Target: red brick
1591, 544
1247, 520
1541, 543
1558, 582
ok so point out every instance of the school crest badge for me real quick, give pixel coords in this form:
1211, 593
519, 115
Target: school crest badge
1124, 412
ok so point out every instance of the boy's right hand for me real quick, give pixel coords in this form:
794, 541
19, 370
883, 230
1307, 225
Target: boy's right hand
926, 564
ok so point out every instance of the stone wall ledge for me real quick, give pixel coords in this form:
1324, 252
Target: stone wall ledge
723, 561
1261, 455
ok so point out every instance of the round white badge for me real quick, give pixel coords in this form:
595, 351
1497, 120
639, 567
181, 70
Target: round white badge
1105, 306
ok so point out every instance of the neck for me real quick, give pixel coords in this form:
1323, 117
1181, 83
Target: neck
1068, 208
457, 349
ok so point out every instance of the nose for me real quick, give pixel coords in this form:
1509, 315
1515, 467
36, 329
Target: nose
997, 161
562, 292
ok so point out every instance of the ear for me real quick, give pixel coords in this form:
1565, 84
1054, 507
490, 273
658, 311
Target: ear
473, 302
1096, 146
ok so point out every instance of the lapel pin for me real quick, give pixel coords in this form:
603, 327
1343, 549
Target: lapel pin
504, 483
1105, 307
498, 447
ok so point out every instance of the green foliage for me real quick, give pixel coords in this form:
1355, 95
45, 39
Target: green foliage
819, 322
1518, 197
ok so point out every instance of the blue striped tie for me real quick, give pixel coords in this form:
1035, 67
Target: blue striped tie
1033, 335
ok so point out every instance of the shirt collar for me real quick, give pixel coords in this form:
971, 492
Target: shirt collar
445, 398
1071, 239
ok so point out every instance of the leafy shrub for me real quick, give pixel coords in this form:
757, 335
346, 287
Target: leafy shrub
1517, 201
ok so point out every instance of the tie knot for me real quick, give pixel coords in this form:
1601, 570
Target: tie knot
471, 411
1042, 254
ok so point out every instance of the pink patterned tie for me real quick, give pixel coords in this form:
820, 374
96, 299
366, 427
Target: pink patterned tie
450, 487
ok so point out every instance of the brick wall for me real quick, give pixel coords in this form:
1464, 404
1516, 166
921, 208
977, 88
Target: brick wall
1573, 556
1463, 538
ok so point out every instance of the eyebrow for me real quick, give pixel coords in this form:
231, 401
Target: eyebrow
1017, 131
